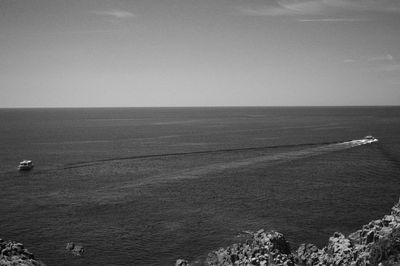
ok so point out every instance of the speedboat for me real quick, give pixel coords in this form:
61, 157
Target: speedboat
370, 139
25, 165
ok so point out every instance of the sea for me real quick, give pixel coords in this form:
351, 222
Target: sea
147, 186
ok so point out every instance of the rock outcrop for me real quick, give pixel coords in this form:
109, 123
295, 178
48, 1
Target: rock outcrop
15, 254
181, 262
377, 243
265, 248
76, 250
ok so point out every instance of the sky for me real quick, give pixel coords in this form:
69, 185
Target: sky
142, 53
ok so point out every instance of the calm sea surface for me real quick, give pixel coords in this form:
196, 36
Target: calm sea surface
145, 186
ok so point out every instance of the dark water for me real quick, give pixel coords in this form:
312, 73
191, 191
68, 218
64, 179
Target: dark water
147, 186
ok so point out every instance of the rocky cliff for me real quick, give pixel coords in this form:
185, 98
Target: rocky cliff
15, 254
376, 243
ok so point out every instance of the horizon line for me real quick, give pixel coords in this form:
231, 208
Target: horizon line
196, 106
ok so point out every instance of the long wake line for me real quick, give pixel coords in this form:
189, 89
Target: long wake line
330, 146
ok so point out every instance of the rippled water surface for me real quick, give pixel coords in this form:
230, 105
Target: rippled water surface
143, 186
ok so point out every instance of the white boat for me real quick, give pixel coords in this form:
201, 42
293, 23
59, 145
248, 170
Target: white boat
25, 165
370, 139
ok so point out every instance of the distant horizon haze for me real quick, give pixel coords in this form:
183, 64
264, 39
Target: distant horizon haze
197, 106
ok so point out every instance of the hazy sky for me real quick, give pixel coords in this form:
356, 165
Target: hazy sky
199, 52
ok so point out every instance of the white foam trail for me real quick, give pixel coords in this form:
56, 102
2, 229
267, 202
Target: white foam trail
273, 158
123, 190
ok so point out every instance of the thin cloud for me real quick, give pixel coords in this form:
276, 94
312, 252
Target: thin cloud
387, 6
390, 68
323, 7
268, 11
348, 61
384, 63
387, 57
332, 20
83, 32
304, 7
121, 14
355, 5
284, 7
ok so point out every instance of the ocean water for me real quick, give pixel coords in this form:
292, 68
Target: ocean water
145, 186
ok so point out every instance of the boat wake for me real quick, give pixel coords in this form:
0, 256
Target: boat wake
313, 149
117, 191
272, 158
150, 156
